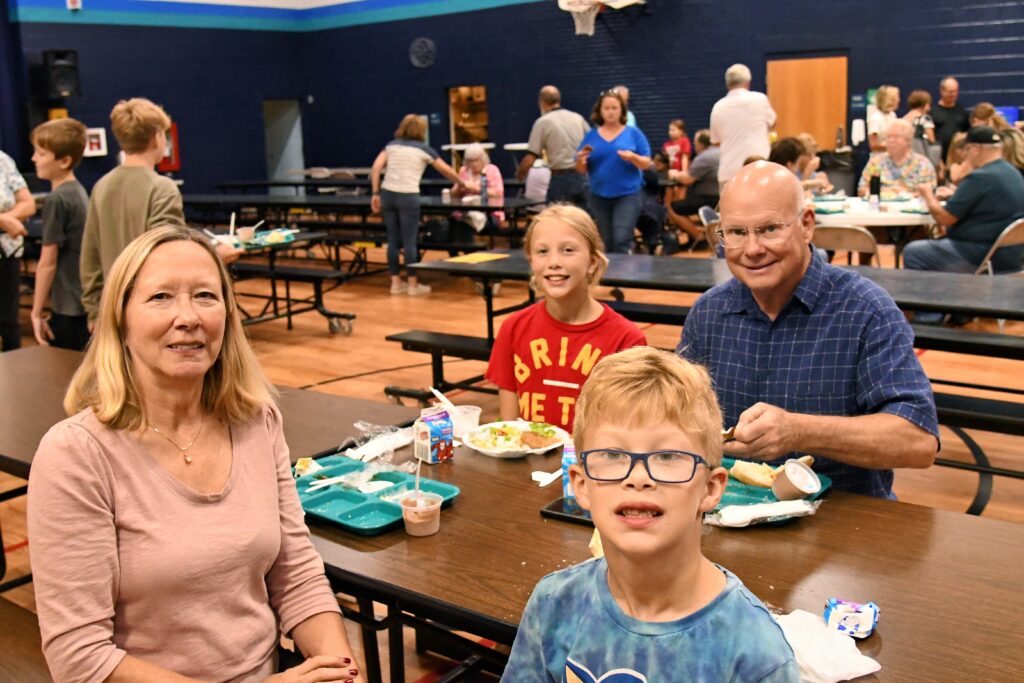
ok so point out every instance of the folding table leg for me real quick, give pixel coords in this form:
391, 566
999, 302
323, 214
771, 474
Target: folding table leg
371, 654
396, 645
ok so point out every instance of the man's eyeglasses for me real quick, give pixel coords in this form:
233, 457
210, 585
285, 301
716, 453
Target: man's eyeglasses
735, 236
666, 467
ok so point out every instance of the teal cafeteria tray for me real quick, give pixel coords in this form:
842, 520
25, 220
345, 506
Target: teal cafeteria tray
828, 209
738, 493
363, 513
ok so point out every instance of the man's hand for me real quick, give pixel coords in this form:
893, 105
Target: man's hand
319, 668
375, 203
764, 432
925, 190
944, 192
41, 329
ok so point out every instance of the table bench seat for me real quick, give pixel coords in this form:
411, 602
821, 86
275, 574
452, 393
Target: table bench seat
439, 345
336, 321
938, 338
658, 314
20, 643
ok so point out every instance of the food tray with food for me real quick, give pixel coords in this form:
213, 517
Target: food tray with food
374, 507
744, 490
515, 438
828, 209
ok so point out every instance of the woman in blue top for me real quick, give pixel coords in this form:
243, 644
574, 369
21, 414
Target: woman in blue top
615, 156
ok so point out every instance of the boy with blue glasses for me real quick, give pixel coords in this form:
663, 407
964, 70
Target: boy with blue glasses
648, 431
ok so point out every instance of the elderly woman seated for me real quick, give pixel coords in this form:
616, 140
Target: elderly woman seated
899, 167
168, 542
476, 170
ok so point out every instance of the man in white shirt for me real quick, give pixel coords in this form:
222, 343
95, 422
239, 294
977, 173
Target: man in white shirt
740, 123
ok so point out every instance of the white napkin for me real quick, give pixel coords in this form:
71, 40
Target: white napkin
824, 655
381, 444
744, 515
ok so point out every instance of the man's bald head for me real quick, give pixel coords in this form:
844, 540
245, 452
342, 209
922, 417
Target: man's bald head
764, 179
550, 97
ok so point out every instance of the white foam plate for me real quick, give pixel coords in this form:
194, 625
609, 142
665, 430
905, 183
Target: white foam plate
516, 452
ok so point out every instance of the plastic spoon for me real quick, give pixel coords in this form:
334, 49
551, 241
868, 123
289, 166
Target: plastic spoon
444, 400
231, 229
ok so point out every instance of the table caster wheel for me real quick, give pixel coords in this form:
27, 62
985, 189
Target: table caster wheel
342, 325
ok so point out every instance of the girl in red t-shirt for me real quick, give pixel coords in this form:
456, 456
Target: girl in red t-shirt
677, 147
545, 352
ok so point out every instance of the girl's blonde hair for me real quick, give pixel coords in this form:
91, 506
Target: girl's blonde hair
580, 221
1013, 147
884, 94
642, 385
234, 387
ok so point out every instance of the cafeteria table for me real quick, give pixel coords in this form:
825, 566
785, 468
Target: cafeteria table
988, 297
947, 584
899, 218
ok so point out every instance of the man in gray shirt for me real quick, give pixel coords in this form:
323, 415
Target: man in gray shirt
702, 180
557, 134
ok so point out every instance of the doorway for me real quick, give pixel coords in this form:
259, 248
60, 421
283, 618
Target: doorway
282, 132
809, 96
467, 114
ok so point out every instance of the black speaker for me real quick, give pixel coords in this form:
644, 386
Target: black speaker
59, 74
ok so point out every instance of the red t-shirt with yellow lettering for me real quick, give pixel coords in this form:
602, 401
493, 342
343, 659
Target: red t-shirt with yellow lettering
546, 361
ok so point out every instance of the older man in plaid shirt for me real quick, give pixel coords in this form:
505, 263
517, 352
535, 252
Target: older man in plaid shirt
807, 357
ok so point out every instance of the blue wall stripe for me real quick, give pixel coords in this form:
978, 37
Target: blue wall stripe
188, 15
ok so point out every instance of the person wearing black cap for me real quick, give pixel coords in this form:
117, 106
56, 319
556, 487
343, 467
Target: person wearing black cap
986, 201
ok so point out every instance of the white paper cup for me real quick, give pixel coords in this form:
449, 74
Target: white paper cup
465, 419
795, 481
422, 517
245, 234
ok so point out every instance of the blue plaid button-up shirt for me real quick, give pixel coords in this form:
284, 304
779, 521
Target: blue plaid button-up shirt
839, 347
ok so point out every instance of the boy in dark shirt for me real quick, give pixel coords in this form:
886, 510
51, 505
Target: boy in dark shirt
59, 145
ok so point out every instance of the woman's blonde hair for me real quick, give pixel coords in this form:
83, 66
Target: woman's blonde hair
136, 122
645, 385
234, 387
412, 127
580, 221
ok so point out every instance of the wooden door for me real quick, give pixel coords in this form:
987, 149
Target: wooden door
809, 96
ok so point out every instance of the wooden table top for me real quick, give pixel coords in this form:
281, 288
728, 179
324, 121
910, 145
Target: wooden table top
998, 297
33, 381
947, 584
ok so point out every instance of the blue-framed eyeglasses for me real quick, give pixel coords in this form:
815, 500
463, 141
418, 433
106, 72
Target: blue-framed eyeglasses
666, 467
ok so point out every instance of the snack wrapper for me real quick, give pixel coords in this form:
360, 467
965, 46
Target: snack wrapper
851, 618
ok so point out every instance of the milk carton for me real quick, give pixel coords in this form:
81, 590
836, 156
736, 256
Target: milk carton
432, 436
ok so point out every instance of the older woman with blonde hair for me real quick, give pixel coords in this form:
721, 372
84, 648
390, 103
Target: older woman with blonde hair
168, 542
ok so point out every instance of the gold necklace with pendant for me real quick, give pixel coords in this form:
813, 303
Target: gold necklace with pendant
184, 451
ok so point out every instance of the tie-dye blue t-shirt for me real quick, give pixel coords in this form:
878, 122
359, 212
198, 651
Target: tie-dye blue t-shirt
573, 631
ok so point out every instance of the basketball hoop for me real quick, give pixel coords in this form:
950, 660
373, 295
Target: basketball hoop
584, 12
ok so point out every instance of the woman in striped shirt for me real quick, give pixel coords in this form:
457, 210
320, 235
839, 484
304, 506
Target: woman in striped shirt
398, 197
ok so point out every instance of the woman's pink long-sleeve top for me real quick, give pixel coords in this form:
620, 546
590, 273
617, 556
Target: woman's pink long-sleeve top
126, 559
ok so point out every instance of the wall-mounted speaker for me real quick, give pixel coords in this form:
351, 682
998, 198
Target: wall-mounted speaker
59, 74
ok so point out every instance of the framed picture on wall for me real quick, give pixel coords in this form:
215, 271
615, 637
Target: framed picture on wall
95, 142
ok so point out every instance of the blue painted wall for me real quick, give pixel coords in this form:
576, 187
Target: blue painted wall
212, 81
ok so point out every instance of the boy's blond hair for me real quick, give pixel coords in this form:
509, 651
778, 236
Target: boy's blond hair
580, 221
135, 122
63, 137
643, 385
